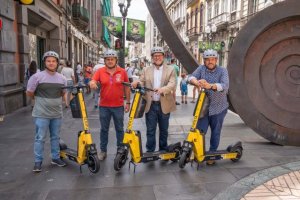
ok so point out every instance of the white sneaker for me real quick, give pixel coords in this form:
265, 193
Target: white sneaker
102, 155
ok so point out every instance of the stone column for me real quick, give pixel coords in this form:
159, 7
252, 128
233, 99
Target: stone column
13, 51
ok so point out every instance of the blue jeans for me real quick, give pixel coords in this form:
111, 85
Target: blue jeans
154, 116
215, 122
97, 93
106, 113
42, 127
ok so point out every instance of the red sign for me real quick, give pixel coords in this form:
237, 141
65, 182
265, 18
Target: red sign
0, 24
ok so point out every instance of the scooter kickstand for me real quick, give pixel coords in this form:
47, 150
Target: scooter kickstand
134, 165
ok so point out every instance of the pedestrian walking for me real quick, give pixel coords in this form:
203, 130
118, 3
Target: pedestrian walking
184, 88
68, 73
176, 68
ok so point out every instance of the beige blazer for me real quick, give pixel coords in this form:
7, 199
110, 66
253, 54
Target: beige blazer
168, 84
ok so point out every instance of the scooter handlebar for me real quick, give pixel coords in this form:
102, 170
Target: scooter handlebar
138, 86
74, 86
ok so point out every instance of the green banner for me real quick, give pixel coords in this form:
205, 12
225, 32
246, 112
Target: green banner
135, 30
203, 45
114, 25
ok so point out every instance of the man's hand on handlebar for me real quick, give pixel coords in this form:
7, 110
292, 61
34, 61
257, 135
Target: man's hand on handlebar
93, 85
134, 84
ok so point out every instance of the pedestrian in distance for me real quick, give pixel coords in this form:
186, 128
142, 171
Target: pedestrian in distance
68, 73
184, 88
32, 69
97, 91
160, 77
129, 69
46, 88
215, 80
176, 68
111, 104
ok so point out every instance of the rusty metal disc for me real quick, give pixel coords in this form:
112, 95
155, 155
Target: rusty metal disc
264, 70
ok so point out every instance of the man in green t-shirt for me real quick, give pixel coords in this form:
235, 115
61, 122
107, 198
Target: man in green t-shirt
176, 68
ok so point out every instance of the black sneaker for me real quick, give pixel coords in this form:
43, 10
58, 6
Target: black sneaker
58, 162
37, 167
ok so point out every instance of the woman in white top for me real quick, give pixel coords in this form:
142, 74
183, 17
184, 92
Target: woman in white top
68, 72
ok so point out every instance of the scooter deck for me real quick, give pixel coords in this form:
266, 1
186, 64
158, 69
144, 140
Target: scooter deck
157, 155
216, 153
71, 154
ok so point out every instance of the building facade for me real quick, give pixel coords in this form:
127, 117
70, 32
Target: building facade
72, 28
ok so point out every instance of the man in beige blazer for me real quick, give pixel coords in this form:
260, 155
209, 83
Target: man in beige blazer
161, 78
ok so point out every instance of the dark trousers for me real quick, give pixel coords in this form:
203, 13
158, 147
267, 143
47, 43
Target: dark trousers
215, 122
106, 113
153, 117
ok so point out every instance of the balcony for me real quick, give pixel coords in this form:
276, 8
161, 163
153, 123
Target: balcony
221, 21
193, 33
80, 15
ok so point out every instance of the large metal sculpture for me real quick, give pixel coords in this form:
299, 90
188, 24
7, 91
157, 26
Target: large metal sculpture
264, 68
170, 35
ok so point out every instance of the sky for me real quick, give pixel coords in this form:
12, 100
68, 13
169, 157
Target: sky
137, 9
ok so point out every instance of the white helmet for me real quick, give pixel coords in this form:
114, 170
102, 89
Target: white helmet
210, 53
157, 50
110, 53
50, 54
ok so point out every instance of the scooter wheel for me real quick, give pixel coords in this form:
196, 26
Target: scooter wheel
93, 163
178, 151
184, 158
239, 151
120, 161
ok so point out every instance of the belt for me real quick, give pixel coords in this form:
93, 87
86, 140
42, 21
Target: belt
155, 102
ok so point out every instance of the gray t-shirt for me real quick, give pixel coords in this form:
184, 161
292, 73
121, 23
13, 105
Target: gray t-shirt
47, 90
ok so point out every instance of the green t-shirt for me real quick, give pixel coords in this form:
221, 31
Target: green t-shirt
176, 70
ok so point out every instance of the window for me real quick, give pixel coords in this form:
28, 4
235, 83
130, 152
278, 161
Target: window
192, 14
201, 17
224, 6
253, 6
196, 19
187, 22
233, 5
209, 10
216, 8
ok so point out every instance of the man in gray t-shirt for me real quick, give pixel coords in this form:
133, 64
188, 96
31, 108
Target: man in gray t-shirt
46, 88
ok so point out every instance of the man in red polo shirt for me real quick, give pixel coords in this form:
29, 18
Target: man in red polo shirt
111, 103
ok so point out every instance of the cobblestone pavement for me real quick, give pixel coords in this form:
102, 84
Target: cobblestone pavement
262, 161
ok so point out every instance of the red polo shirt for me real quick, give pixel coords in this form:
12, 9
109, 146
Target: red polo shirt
112, 89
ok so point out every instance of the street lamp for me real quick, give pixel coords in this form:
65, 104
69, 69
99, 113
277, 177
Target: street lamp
209, 30
123, 11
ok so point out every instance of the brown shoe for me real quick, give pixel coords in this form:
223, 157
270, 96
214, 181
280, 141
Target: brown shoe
210, 162
102, 155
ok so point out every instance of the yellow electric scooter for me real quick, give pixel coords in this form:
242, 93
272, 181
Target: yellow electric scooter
193, 147
86, 152
132, 139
